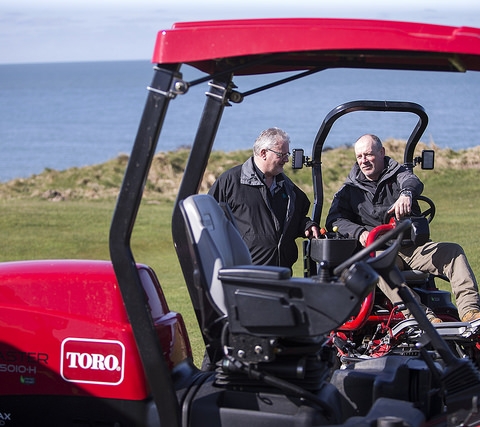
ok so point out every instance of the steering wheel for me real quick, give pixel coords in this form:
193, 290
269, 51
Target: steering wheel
387, 255
428, 213
384, 261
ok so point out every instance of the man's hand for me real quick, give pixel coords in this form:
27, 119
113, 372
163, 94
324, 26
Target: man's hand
312, 232
363, 238
402, 207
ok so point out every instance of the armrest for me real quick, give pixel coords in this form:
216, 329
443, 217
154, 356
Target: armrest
254, 272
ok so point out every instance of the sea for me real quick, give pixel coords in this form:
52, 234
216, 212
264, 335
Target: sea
63, 115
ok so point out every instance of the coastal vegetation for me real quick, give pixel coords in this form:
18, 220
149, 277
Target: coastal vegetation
66, 214
102, 181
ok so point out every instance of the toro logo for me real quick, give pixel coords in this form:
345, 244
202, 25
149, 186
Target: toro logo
92, 361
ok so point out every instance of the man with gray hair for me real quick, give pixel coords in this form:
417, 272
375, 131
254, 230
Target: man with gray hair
269, 209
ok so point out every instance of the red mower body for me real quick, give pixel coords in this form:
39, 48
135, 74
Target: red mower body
65, 333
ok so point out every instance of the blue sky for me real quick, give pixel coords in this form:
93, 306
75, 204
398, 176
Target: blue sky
33, 31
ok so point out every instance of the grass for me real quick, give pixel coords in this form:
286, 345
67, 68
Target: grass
67, 214
35, 229
41, 229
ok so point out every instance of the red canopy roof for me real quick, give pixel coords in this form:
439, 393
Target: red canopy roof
269, 45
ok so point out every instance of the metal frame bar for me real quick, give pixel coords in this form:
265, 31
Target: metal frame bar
217, 99
149, 347
350, 107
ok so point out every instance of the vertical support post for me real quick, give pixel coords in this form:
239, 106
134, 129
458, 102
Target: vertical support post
128, 202
196, 165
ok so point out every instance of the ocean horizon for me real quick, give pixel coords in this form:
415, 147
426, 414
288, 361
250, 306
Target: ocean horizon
63, 115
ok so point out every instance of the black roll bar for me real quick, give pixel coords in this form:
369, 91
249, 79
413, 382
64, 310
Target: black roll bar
350, 107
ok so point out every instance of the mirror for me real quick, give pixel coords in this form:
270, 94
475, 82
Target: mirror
428, 159
297, 158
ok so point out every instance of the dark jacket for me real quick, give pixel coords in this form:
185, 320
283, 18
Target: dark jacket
361, 204
269, 242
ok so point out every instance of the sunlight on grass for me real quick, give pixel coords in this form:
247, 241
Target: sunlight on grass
32, 226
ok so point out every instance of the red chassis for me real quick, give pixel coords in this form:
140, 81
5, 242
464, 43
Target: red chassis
65, 332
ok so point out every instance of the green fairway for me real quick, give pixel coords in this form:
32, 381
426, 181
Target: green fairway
39, 228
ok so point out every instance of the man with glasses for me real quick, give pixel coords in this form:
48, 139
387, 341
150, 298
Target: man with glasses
377, 185
269, 209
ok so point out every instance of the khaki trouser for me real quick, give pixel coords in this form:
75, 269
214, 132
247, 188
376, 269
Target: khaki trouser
441, 258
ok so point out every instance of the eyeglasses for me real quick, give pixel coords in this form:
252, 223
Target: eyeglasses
279, 155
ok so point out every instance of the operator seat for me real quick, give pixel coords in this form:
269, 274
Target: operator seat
214, 243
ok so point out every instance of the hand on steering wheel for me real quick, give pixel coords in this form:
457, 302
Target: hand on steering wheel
428, 213
402, 206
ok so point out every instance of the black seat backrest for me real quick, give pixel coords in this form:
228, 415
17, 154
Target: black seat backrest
214, 243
